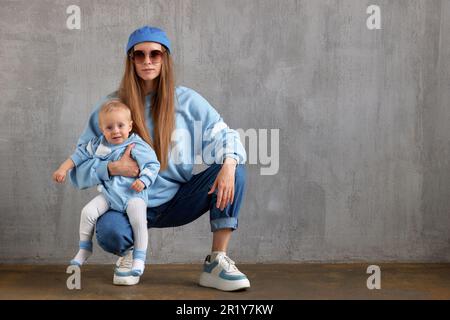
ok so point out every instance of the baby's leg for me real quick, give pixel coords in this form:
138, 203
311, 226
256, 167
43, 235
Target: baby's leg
89, 215
137, 214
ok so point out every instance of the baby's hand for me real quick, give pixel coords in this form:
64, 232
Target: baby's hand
137, 185
59, 176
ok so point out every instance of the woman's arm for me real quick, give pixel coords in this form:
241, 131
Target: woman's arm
93, 171
222, 145
224, 183
147, 161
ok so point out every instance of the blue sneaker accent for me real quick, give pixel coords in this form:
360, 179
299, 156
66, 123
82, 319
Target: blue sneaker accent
136, 273
224, 275
209, 267
123, 273
129, 273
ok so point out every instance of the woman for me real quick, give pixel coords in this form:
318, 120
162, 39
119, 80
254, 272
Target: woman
181, 126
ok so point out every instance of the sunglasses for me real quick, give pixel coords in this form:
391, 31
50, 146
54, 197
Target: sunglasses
138, 56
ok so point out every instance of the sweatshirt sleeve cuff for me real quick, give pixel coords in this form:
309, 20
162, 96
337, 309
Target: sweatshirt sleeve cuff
102, 171
232, 156
76, 159
145, 180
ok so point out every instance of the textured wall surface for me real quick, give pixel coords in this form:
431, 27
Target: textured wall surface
364, 153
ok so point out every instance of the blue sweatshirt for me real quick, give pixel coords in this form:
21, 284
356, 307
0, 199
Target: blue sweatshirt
200, 136
117, 190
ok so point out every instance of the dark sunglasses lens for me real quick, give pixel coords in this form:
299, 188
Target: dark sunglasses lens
139, 56
156, 55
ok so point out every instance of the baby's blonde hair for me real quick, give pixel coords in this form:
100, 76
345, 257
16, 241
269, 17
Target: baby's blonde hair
112, 105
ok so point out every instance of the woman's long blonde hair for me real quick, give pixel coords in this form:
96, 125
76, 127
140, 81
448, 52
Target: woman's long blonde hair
131, 92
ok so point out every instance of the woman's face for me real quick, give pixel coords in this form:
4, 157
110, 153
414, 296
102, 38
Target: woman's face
148, 60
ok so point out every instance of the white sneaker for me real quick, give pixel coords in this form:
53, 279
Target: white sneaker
222, 274
122, 273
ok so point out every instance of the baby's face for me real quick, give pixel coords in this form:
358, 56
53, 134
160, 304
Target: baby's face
116, 126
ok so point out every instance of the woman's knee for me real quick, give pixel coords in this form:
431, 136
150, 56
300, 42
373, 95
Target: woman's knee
114, 233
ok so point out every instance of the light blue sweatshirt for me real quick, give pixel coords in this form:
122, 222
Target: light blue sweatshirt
200, 136
117, 190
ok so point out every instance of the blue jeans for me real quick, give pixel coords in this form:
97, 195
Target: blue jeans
113, 230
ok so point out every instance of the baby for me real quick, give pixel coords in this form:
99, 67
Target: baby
119, 193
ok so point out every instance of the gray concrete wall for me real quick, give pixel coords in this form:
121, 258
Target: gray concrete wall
363, 116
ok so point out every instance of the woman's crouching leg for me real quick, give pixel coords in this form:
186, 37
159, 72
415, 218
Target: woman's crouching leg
114, 233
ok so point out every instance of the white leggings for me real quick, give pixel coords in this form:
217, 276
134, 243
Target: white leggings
136, 211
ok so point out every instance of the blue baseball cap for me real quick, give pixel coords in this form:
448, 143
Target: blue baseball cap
148, 34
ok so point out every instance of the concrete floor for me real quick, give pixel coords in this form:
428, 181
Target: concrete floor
269, 281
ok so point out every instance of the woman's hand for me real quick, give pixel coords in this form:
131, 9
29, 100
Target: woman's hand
225, 183
126, 166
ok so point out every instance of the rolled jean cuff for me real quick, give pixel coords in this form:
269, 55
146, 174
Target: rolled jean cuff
224, 223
